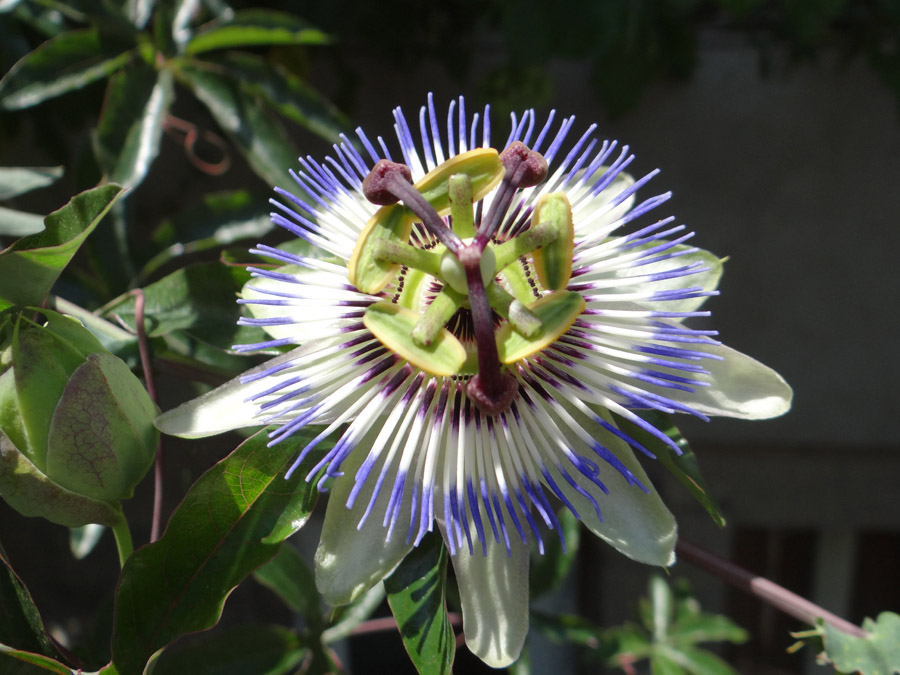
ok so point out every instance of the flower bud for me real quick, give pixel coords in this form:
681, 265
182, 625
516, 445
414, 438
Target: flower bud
76, 425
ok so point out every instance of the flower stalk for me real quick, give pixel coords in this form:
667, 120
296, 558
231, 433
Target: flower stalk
766, 590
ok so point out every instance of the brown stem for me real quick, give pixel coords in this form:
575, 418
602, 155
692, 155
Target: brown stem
390, 623
144, 351
779, 597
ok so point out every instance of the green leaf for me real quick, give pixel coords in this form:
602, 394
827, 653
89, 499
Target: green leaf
567, 629
256, 650
290, 96
217, 536
65, 63
684, 467
662, 664
216, 220
199, 298
415, 592
20, 621
694, 661
246, 119
549, 570
139, 11
30, 267
255, 27
662, 608
128, 134
292, 579
703, 627
20, 662
876, 654
15, 181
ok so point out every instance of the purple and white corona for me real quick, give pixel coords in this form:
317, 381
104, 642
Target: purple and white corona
471, 313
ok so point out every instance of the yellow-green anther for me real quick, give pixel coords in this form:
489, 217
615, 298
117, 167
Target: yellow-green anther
461, 202
439, 312
556, 311
522, 319
393, 326
392, 223
526, 242
388, 251
454, 274
553, 262
482, 166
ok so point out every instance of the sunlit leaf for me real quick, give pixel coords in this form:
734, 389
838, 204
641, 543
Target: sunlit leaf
254, 27
415, 593
289, 95
216, 537
215, 221
30, 267
19, 223
128, 134
67, 62
249, 123
19, 180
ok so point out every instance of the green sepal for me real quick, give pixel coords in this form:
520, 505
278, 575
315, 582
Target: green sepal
101, 438
556, 311
553, 262
393, 326
45, 358
365, 271
482, 166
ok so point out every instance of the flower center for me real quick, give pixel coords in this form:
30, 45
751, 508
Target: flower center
477, 272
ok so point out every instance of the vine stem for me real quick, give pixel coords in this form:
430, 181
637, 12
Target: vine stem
144, 351
124, 544
766, 590
390, 623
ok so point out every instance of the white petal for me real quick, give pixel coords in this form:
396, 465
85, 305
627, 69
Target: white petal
350, 561
225, 408
741, 387
635, 522
493, 592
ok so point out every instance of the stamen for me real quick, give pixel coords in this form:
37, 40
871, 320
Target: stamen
389, 182
439, 312
524, 168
